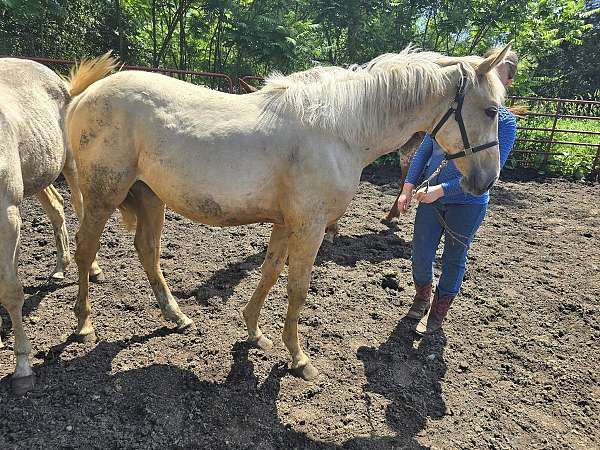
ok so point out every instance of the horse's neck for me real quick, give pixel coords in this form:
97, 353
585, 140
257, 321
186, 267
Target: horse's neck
420, 118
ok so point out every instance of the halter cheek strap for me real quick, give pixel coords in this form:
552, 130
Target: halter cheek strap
457, 111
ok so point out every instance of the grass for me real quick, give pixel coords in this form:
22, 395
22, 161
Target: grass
573, 161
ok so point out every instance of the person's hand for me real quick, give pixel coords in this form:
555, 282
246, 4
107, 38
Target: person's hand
432, 194
403, 202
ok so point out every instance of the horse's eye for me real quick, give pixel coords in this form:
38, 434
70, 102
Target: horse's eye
491, 112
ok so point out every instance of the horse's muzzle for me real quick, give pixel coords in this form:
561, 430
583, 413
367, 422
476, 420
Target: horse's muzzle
477, 186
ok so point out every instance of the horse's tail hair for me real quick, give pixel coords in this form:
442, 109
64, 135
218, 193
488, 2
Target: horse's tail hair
128, 212
88, 71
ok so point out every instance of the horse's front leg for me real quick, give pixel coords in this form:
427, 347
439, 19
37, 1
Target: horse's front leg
303, 247
53, 205
11, 295
271, 268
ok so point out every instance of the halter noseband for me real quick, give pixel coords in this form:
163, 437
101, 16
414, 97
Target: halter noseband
459, 100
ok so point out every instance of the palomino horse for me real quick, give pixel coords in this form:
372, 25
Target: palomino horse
290, 154
32, 155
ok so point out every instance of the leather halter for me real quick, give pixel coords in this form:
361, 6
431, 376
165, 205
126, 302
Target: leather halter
457, 111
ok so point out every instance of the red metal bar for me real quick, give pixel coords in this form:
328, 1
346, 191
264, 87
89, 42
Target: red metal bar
558, 130
564, 100
142, 68
595, 172
252, 77
564, 116
545, 141
557, 112
535, 152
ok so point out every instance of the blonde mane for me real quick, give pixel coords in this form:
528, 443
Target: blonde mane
357, 102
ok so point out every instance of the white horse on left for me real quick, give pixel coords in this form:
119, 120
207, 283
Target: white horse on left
32, 155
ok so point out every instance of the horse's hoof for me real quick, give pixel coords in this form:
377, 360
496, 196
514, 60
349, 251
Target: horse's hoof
84, 338
185, 325
57, 276
307, 372
263, 343
98, 277
20, 386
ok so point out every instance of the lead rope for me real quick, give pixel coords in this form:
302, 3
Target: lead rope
453, 234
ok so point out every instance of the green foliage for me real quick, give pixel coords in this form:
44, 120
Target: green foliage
248, 36
557, 39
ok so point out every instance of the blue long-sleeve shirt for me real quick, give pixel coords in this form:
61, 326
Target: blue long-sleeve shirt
429, 155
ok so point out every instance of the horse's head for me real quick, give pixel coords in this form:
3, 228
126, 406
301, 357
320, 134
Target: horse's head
468, 131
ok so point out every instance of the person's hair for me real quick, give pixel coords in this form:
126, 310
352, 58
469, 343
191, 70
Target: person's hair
511, 60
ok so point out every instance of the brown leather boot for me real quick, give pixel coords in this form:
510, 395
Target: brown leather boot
437, 313
421, 302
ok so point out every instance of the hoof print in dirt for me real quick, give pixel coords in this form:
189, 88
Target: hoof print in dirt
389, 280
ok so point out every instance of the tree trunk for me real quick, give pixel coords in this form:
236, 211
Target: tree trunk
182, 46
154, 54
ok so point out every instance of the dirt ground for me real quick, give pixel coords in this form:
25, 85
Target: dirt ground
516, 366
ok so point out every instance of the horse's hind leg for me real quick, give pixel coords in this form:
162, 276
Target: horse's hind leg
53, 205
303, 247
88, 243
11, 295
271, 268
70, 174
150, 212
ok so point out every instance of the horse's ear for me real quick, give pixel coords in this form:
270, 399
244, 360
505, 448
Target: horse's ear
492, 61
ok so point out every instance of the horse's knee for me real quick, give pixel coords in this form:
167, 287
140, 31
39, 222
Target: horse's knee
270, 273
11, 291
86, 248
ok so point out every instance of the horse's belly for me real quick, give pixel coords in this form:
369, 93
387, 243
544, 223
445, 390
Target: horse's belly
42, 156
217, 207
210, 212
38, 173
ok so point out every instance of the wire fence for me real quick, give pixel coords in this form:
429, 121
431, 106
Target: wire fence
558, 135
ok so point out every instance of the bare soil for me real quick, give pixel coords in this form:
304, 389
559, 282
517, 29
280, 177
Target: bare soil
516, 365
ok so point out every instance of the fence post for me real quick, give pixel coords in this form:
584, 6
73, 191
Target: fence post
550, 141
595, 173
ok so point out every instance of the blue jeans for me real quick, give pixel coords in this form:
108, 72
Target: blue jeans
463, 220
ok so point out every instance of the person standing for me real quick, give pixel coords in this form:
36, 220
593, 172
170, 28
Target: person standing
445, 206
